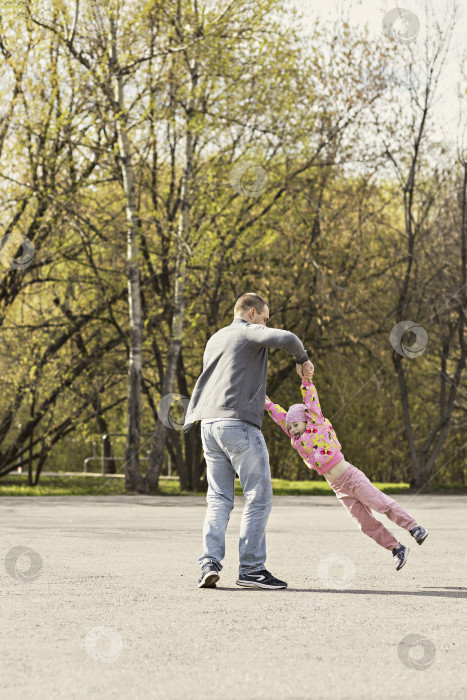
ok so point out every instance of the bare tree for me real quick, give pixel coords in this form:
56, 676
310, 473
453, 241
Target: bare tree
420, 195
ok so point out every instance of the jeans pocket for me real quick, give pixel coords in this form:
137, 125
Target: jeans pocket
233, 437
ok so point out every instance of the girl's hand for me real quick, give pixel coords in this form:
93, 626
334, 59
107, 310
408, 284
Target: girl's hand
266, 401
308, 371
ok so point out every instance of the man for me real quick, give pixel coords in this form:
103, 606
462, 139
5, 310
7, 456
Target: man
229, 400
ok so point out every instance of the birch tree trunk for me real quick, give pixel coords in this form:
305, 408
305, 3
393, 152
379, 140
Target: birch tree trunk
133, 478
156, 455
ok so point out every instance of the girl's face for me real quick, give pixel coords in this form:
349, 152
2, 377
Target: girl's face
296, 429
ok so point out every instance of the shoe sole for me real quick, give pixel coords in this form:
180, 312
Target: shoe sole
398, 568
422, 539
209, 581
251, 584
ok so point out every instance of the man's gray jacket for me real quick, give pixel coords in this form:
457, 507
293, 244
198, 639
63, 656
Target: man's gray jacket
235, 364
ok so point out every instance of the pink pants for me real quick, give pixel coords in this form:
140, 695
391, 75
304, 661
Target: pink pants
356, 493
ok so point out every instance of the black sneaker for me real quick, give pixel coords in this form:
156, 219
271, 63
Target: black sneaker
400, 555
209, 575
419, 533
260, 579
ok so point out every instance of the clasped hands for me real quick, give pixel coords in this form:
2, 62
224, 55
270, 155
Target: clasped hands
306, 371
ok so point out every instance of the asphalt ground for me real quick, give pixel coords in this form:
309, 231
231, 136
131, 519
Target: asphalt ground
99, 600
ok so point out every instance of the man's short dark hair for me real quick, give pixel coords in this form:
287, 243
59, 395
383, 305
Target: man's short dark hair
247, 301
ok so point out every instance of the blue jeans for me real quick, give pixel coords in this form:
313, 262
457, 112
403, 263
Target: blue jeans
230, 448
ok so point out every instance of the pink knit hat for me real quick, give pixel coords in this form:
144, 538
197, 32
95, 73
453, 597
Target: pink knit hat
296, 413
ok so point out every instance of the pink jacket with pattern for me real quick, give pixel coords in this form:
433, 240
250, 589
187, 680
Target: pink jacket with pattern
318, 446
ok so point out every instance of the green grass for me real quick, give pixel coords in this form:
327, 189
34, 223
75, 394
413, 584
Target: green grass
79, 484
95, 485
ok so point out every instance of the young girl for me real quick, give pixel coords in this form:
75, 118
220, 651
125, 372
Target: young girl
314, 438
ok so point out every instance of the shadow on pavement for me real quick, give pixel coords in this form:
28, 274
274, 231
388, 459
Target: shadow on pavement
448, 588
449, 592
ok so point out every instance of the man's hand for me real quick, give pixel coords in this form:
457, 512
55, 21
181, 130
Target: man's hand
306, 371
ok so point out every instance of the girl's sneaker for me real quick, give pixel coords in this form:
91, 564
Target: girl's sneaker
419, 533
400, 555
